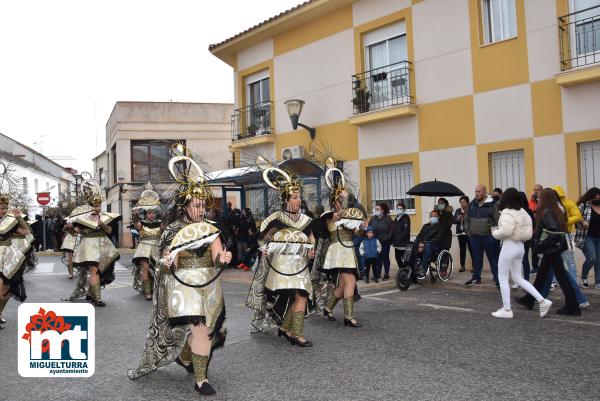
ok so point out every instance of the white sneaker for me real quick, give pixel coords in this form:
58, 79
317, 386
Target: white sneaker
552, 286
507, 314
515, 286
584, 304
545, 307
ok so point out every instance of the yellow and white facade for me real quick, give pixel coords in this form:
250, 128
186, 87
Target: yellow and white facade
501, 112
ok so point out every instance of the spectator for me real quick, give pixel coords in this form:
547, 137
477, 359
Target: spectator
49, 233
527, 244
384, 229
401, 232
549, 240
588, 235
431, 240
446, 220
59, 223
534, 201
479, 219
370, 248
514, 228
496, 194
134, 235
38, 233
245, 226
463, 239
568, 257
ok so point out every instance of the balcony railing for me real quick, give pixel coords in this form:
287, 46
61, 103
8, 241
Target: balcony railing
250, 121
579, 38
382, 87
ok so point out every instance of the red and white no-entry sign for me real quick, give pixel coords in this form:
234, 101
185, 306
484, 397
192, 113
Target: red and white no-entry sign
43, 198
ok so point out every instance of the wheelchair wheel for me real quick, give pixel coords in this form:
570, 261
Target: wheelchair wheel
403, 278
444, 265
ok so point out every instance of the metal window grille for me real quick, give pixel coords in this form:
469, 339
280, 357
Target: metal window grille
589, 156
256, 201
508, 169
579, 35
25, 186
390, 183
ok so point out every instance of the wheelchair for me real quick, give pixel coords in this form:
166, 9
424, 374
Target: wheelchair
441, 265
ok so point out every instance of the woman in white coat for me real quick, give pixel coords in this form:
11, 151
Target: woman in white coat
514, 228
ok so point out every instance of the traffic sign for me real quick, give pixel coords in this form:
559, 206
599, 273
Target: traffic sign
43, 198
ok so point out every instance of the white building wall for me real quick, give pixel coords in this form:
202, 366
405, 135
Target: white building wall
550, 163
256, 54
388, 138
44, 181
368, 10
320, 74
581, 105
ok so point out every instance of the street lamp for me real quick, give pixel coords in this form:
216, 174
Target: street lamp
294, 108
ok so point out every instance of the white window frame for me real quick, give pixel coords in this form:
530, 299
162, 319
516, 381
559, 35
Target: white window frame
589, 165
256, 77
386, 34
397, 179
487, 18
580, 58
504, 172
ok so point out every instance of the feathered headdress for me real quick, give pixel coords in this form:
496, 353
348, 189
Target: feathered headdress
286, 183
91, 190
149, 199
189, 176
335, 181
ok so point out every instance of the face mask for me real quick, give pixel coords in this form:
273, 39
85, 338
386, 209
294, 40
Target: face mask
596, 202
434, 220
441, 206
400, 211
376, 213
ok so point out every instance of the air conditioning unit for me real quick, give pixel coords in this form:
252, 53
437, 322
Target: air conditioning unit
293, 152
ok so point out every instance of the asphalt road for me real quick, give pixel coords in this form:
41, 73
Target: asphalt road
437, 342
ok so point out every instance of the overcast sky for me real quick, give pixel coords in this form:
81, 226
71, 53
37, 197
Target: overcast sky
64, 63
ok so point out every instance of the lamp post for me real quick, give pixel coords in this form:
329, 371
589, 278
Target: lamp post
294, 108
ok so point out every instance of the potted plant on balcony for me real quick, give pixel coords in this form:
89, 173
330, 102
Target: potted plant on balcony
252, 130
361, 100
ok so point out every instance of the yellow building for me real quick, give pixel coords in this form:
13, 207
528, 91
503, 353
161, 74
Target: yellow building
500, 92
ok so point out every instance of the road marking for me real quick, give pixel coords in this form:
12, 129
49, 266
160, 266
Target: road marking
455, 308
381, 293
574, 321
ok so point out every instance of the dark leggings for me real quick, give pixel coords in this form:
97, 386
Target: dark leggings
371, 264
554, 262
399, 253
464, 244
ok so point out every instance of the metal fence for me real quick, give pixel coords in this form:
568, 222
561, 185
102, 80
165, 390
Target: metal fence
382, 87
253, 120
579, 38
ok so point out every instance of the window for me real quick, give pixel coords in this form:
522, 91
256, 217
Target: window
113, 154
499, 20
149, 161
587, 26
255, 197
35, 185
390, 183
47, 186
589, 156
101, 176
507, 169
258, 102
25, 186
387, 70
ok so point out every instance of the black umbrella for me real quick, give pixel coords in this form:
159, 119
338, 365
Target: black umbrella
435, 188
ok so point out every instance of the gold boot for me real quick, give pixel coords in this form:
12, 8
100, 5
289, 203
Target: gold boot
70, 269
200, 363
287, 322
298, 330
331, 303
96, 297
349, 313
185, 358
147, 289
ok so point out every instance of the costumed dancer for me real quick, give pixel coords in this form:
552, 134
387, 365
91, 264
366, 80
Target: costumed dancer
340, 262
188, 314
281, 290
147, 221
94, 253
68, 246
15, 245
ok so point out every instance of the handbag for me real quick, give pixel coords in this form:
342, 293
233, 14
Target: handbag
550, 242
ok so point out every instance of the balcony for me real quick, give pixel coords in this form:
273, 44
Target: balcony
382, 93
250, 122
579, 41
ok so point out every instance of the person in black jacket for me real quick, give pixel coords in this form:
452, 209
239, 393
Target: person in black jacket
527, 244
384, 229
446, 221
463, 238
430, 240
401, 232
550, 241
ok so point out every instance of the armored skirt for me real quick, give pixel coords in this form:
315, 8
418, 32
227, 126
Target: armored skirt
176, 305
15, 252
283, 273
95, 248
340, 257
69, 241
148, 245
